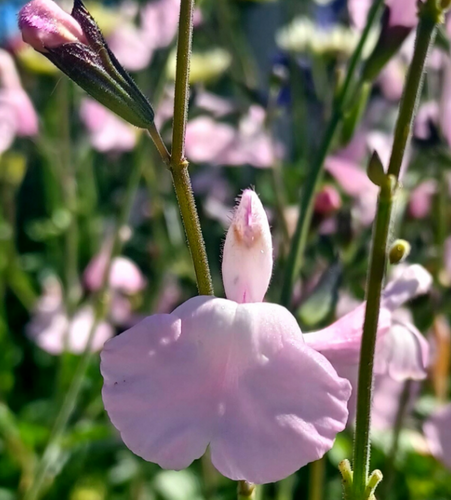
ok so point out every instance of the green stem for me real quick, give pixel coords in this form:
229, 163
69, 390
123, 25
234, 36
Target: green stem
429, 17
246, 490
51, 451
178, 163
298, 244
316, 479
389, 475
69, 189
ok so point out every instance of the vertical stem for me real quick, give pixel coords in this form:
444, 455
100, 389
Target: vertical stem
429, 17
178, 163
69, 189
185, 34
316, 479
400, 415
51, 451
298, 244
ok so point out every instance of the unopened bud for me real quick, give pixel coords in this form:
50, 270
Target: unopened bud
327, 201
399, 251
76, 46
247, 259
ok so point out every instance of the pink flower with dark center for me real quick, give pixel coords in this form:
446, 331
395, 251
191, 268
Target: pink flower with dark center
235, 376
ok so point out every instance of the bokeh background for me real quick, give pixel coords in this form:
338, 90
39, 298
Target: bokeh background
264, 76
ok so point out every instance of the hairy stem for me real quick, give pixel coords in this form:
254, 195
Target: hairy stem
429, 17
178, 163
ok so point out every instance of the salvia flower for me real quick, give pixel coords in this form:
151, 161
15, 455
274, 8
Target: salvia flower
402, 353
228, 373
76, 46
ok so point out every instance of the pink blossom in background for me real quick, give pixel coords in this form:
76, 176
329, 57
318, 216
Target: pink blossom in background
401, 351
437, 430
445, 101
391, 78
17, 114
159, 22
128, 44
125, 275
52, 330
209, 141
235, 376
427, 114
402, 13
420, 201
327, 200
107, 132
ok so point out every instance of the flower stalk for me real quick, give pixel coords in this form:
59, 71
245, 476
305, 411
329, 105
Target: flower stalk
430, 16
178, 164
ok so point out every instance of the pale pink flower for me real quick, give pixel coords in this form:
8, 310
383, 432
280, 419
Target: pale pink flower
17, 114
209, 141
420, 202
125, 275
237, 377
402, 13
391, 78
437, 430
387, 394
128, 44
401, 351
52, 330
159, 21
107, 132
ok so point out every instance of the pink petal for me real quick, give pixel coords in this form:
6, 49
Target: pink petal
409, 281
438, 434
386, 399
402, 13
22, 108
403, 353
340, 342
159, 20
206, 140
421, 199
236, 376
125, 275
350, 176
131, 50
107, 132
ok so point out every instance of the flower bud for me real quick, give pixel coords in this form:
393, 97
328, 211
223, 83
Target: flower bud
247, 258
327, 201
76, 46
399, 251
